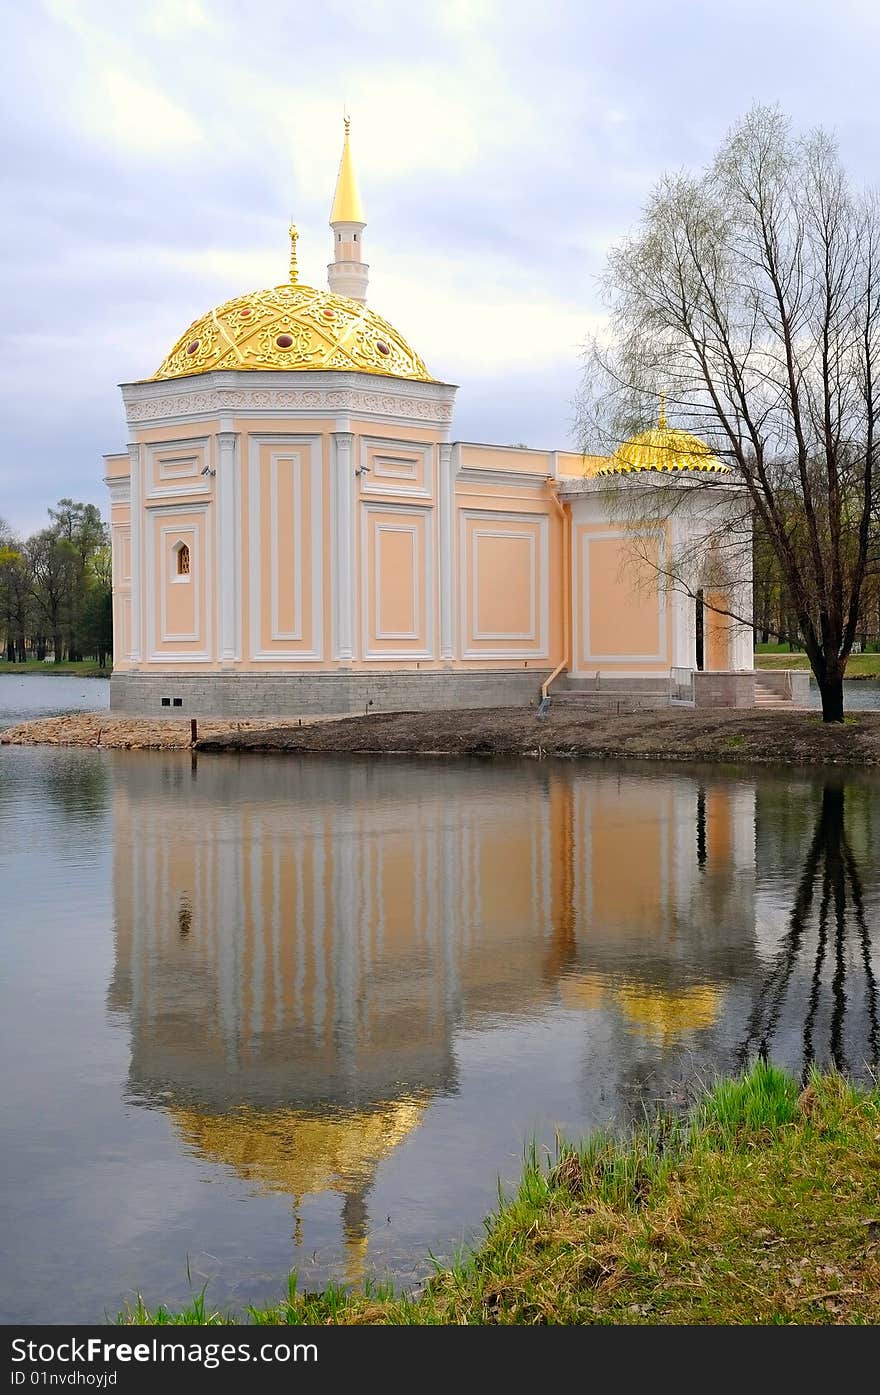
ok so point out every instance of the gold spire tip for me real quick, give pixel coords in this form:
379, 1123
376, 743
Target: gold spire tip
294, 234
661, 420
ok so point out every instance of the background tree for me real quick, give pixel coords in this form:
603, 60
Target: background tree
751, 293
55, 587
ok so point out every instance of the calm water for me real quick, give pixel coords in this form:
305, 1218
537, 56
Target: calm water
264, 1013
38, 695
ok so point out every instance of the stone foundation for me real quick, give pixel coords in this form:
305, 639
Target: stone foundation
318, 694
724, 689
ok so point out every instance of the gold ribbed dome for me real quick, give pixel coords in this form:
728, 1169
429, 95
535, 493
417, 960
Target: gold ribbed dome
293, 328
663, 449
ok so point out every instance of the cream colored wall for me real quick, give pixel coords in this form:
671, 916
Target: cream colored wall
621, 619
504, 562
519, 459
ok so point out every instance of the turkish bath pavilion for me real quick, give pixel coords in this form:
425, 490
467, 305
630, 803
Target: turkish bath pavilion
295, 531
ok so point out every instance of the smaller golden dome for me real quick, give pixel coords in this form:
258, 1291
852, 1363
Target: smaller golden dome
665, 450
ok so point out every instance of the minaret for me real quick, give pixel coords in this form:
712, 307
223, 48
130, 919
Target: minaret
347, 274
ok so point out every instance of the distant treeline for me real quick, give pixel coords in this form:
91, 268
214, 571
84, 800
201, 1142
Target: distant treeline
55, 596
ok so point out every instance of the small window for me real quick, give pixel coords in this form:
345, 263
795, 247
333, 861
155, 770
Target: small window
183, 560
166, 702
177, 702
355, 237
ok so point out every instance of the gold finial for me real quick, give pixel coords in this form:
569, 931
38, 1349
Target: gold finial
661, 420
347, 206
294, 274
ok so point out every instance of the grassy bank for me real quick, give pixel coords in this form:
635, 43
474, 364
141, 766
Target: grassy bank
81, 668
763, 1206
858, 665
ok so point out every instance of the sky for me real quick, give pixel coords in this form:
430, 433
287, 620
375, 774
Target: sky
155, 151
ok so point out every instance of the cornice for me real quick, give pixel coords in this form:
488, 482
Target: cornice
312, 394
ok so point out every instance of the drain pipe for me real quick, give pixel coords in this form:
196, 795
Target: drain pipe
565, 515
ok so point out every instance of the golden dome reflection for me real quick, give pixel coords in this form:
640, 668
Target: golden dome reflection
293, 328
663, 1014
667, 1014
288, 1150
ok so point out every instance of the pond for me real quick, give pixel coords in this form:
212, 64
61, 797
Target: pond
28, 695
266, 1013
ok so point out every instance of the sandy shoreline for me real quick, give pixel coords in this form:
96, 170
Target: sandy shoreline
731, 737
112, 733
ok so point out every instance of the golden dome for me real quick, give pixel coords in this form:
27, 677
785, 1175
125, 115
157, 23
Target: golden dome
293, 328
663, 449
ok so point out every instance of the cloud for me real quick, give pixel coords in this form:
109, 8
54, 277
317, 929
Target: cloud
154, 153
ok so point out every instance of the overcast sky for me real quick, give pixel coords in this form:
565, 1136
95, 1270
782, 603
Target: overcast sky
156, 150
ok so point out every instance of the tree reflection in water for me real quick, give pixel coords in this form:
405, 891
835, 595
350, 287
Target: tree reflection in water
830, 876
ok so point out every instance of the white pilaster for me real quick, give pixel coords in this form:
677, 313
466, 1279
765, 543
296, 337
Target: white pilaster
342, 504
448, 469
228, 550
136, 512
684, 613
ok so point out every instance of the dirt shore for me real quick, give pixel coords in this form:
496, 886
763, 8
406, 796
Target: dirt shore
733, 737
103, 729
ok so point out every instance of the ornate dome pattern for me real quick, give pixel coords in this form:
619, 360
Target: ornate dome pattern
665, 450
293, 328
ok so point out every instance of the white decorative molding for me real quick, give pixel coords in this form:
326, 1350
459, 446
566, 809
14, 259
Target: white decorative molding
120, 489
120, 549
583, 594
322, 393
200, 570
228, 566
471, 474
136, 521
178, 466
286, 448
535, 645
405, 525
394, 469
447, 471
342, 521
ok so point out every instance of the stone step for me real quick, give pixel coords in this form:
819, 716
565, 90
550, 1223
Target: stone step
766, 697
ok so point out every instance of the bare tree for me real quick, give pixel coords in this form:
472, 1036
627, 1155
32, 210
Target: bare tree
751, 293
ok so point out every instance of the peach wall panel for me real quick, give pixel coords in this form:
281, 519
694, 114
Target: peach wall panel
285, 546
179, 608
396, 582
620, 619
504, 584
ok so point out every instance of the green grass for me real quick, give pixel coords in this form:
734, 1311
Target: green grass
82, 668
858, 665
761, 1206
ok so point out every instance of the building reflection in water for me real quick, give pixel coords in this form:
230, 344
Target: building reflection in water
300, 944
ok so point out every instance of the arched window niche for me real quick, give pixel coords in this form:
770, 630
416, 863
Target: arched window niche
180, 562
